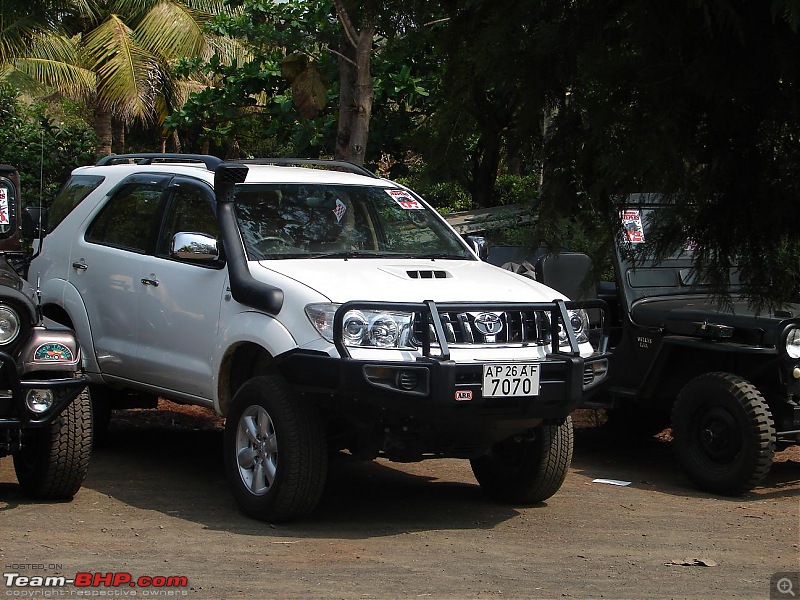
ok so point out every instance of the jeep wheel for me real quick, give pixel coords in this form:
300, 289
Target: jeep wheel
275, 451
723, 433
527, 470
54, 460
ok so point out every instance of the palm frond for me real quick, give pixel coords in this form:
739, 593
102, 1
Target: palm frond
171, 29
71, 80
124, 69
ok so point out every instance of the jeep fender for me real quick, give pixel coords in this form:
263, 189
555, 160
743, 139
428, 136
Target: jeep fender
63, 294
247, 327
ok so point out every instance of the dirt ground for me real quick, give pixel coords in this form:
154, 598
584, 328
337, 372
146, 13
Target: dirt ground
156, 503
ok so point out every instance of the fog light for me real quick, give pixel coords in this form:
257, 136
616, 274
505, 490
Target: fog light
796, 373
39, 401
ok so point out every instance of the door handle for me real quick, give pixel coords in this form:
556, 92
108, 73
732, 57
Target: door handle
80, 265
150, 281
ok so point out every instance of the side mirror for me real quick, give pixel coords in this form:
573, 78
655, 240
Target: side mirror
195, 247
34, 222
479, 245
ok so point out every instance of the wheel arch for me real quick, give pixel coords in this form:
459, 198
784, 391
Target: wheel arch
241, 362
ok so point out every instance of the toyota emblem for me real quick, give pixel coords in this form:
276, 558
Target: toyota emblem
488, 323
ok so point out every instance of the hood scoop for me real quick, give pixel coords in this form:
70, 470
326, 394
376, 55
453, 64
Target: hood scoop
428, 274
415, 272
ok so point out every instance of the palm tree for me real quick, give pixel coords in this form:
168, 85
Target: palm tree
119, 55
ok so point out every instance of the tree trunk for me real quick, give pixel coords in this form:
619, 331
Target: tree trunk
118, 136
356, 91
102, 126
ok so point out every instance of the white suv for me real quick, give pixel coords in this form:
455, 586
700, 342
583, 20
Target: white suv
316, 310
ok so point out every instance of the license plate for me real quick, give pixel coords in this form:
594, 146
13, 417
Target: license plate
509, 380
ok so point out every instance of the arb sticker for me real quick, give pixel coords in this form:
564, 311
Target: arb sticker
405, 200
52, 353
463, 395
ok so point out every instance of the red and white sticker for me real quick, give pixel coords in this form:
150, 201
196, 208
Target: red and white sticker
463, 395
3, 206
405, 200
632, 225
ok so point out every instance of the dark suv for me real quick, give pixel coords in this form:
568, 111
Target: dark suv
45, 420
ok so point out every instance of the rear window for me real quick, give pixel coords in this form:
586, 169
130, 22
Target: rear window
72, 194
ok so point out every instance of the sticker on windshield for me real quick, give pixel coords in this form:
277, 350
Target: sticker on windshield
339, 210
3, 206
632, 224
405, 200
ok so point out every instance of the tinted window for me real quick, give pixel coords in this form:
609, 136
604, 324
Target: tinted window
72, 194
127, 221
189, 211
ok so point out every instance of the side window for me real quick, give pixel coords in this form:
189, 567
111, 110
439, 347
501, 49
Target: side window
127, 220
189, 211
72, 194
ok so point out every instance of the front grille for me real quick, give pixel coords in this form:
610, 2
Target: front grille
489, 327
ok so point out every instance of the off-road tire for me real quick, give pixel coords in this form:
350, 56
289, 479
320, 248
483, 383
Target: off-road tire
54, 460
723, 433
295, 433
527, 470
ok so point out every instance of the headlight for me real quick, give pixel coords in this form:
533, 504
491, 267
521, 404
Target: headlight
578, 320
364, 328
39, 401
793, 343
9, 325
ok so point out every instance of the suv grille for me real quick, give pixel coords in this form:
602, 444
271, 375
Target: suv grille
489, 327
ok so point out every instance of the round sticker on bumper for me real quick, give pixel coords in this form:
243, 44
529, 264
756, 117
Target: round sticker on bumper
52, 353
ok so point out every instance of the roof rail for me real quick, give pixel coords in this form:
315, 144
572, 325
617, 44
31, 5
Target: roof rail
337, 165
149, 158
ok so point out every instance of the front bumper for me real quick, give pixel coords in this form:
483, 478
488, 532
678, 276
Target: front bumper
439, 402
48, 360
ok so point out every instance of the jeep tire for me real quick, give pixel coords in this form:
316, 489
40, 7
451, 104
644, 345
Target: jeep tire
54, 460
527, 470
723, 433
275, 451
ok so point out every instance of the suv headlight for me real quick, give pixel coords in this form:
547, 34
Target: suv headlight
9, 325
364, 328
793, 343
578, 320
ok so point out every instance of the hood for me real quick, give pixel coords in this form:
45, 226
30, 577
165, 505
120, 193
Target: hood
703, 317
411, 280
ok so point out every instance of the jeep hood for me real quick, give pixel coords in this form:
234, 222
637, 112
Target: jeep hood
410, 280
703, 317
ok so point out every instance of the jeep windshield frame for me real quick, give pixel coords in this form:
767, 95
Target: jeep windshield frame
641, 275
324, 220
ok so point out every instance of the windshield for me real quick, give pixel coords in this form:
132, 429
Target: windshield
646, 276
325, 220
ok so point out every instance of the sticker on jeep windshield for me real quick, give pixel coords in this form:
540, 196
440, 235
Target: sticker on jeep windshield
3, 206
52, 352
405, 200
632, 225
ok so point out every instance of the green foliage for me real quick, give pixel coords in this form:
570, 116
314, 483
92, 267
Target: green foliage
513, 189
44, 143
446, 197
